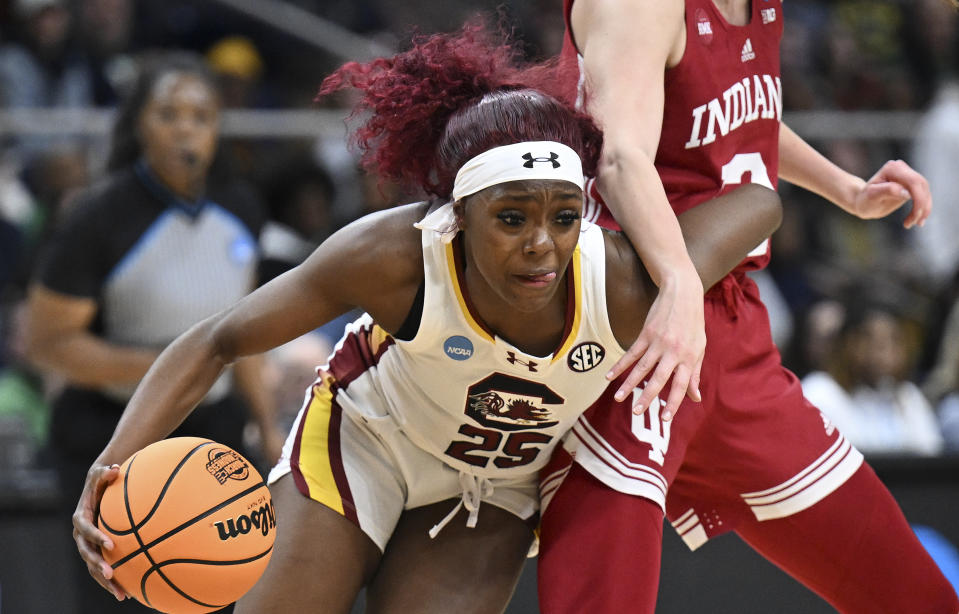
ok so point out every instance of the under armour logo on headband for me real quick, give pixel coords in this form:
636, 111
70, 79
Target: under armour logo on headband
498, 165
530, 160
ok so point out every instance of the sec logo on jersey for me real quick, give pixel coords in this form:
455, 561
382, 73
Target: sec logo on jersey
585, 357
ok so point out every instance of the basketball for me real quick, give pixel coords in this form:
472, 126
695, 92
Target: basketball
192, 524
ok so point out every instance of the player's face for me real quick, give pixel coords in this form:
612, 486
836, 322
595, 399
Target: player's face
519, 237
179, 127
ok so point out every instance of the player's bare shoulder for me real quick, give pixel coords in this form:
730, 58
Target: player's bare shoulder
374, 263
385, 242
629, 289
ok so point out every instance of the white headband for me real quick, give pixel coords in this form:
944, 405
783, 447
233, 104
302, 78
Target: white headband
527, 160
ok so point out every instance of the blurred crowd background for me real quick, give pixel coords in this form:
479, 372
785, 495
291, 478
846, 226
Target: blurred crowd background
866, 312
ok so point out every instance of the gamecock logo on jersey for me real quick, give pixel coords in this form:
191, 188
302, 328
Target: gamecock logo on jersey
511, 404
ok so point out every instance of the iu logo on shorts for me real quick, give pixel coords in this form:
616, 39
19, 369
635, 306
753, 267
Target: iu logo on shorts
649, 428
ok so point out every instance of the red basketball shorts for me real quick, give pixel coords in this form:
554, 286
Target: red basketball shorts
754, 449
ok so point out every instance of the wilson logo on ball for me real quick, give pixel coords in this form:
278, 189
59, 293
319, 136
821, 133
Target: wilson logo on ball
225, 464
262, 519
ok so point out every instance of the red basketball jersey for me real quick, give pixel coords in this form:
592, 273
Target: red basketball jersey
723, 105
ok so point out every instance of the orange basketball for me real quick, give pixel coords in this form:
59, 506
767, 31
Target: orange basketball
192, 524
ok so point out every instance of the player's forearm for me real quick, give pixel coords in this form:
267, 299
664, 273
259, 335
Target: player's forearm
634, 194
802, 165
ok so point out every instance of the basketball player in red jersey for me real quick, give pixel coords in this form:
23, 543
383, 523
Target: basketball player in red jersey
689, 97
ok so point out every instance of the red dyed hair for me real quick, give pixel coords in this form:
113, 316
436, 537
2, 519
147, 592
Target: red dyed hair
452, 97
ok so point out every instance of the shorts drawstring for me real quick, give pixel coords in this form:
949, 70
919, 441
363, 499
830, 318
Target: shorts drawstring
474, 490
732, 294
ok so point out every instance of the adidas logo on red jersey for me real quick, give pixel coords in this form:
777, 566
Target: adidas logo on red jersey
748, 53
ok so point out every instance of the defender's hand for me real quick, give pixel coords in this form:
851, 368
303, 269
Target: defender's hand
889, 189
673, 340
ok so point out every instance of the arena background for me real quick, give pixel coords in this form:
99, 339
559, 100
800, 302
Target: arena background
863, 80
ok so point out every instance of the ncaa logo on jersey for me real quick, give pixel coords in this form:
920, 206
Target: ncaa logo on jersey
585, 357
458, 347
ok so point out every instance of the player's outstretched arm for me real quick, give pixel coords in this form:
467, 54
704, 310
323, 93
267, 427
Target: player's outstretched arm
893, 185
629, 107
374, 263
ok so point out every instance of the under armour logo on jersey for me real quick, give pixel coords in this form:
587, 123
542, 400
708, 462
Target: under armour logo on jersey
513, 360
530, 160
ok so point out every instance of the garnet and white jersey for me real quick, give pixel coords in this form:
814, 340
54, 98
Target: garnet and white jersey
722, 113
464, 394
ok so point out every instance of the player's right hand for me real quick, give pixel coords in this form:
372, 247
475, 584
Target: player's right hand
89, 539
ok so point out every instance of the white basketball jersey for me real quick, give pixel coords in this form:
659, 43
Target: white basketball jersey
467, 396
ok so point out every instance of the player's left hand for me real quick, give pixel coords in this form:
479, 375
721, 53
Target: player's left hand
671, 344
890, 188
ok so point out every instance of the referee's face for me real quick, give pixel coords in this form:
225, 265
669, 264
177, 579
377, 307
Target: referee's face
179, 127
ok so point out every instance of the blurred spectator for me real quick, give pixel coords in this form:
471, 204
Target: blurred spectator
869, 68
299, 196
379, 193
342, 163
803, 54
24, 412
865, 391
935, 152
41, 69
53, 179
781, 320
795, 246
145, 253
942, 385
106, 35
10, 239
815, 342
238, 67
16, 210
